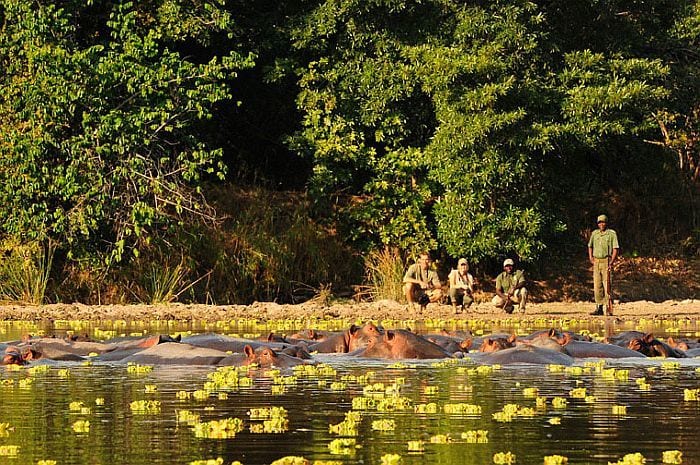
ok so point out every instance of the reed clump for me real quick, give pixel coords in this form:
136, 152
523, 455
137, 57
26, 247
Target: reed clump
25, 270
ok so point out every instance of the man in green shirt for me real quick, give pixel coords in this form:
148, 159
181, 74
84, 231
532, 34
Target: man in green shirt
602, 253
421, 284
510, 288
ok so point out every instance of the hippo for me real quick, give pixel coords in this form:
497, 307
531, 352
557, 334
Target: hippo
652, 347
237, 345
12, 356
401, 344
348, 341
493, 344
176, 353
524, 353
264, 357
450, 344
312, 335
583, 349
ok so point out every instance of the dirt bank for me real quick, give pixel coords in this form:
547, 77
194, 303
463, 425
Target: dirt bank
376, 311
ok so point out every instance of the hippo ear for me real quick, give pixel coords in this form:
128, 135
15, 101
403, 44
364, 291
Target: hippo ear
389, 336
178, 338
672, 342
409, 329
552, 332
270, 337
512, 338
564, 339
466, 344
248, 350
312, 334
354, 329
648, 337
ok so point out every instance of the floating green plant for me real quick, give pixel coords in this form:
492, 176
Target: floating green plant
187, 417
64, 373
630, 459
416, 446
578, 393
431, 390
150, 388
46, 462
619, 410
531, 392
672, 456
384, 425
218, 429
263, 413
555, 460
559, 402
475, 436
135, 368
441, 439
504, 458
343, 446
145, 407
390, 459
462, 409
9, 451
347, 427
691, 394
430, 407
291, 460
670, 366
81, 426
554, 421
38, 369
217, 461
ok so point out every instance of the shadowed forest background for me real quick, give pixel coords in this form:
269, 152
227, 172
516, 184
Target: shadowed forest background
226, 152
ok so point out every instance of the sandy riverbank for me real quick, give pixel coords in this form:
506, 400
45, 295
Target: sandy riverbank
363, 311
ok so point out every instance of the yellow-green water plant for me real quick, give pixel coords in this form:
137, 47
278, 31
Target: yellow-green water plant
672, 457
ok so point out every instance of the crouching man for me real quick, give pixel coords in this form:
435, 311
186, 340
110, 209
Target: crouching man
421, 284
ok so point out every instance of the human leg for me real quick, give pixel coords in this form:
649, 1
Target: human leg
520, 297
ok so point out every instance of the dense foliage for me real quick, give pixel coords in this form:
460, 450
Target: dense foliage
478, 129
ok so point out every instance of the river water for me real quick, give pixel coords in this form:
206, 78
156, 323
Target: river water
350, 410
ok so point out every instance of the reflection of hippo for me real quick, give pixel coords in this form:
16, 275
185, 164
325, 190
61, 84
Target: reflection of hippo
174, 353
398, 344
264, 357
524, 353
348, 341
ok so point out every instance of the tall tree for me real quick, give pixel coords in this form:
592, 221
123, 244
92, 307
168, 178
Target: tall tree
433, 123
97, 108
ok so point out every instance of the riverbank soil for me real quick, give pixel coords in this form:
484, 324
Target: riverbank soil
643, 288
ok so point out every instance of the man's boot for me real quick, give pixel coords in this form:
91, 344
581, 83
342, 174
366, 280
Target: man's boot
598, 310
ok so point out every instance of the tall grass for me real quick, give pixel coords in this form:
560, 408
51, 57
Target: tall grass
24, 272
164, 283
384, 275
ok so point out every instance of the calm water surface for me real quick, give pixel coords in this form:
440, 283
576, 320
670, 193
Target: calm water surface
653, 412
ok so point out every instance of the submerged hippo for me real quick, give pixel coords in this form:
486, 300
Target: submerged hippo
350, 340
583, 349
496, 343
400, 344
176, 353
12, 355
524, 353
264, 357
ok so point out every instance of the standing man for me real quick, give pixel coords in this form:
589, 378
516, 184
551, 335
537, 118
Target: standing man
421, 284
510, 288
602, 253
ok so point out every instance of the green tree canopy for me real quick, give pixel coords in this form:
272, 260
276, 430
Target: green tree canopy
97, 147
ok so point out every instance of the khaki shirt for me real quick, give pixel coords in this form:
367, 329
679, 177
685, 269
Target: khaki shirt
505, 281
428, 277
603, 243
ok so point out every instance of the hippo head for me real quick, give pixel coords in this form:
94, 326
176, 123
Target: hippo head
264, 356
497, 343
358, 337
682, 345
13, 356
647, 345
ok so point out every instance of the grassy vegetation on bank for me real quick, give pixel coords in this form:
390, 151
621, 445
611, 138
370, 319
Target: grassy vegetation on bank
268, 248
